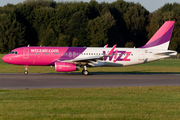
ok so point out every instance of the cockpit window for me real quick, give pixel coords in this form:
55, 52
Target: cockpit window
13, 52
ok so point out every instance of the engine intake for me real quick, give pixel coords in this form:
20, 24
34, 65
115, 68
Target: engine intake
66, 67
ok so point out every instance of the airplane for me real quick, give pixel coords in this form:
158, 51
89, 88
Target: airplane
68, 59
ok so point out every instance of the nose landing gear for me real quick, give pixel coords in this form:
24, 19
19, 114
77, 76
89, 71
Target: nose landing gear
26, 70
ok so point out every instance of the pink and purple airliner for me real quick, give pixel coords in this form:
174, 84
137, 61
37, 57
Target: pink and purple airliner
67, 59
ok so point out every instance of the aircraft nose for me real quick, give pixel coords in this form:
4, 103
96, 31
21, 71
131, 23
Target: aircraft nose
6, 58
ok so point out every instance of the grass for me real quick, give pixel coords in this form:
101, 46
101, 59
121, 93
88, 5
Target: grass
137, 103
161, 66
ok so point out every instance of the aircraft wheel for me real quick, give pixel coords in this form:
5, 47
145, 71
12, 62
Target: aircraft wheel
25, 72
85, 72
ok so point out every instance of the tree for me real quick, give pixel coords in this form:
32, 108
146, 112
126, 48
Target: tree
136, 19
47, 37
63, 40
114, 34
77, 28
97, 32
25, 16
169, 12
94, 10
11, 33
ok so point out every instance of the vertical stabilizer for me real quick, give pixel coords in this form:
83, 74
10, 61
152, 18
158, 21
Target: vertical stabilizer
161, 38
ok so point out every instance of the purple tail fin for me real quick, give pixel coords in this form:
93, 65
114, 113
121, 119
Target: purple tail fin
161, 38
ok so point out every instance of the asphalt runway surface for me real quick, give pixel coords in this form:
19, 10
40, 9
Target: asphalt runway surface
76, 80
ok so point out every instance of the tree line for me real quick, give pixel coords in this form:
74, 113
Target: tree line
50, 23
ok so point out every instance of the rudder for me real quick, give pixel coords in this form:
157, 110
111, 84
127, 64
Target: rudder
161, 39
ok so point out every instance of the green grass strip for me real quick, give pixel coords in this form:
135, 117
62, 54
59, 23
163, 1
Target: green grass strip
122, 103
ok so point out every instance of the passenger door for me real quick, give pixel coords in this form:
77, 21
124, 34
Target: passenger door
26, 53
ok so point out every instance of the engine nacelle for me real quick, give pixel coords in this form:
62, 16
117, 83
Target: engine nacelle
66, 67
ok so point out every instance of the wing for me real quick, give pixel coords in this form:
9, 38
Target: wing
89, 60
106, 46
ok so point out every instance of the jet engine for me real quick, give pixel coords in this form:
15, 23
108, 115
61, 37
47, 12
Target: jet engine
66, 67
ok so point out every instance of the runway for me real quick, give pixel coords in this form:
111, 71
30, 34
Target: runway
76, 80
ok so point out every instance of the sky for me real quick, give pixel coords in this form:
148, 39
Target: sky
150, 5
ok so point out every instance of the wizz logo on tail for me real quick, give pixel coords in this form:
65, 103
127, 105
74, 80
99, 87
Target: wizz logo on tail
118, 56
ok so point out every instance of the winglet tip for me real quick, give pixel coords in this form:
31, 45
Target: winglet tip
112, 49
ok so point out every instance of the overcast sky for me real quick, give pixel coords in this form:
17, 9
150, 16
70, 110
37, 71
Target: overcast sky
150, 5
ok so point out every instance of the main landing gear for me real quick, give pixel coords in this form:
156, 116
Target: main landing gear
85, 71
26, 70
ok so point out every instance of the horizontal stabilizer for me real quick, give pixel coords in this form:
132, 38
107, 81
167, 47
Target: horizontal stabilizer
166, 53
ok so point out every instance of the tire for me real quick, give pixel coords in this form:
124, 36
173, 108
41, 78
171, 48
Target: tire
25, 72
85, 72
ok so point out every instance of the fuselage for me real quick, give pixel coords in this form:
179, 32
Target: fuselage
47, 56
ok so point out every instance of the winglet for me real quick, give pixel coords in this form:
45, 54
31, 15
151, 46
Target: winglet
106, 46
111, 52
